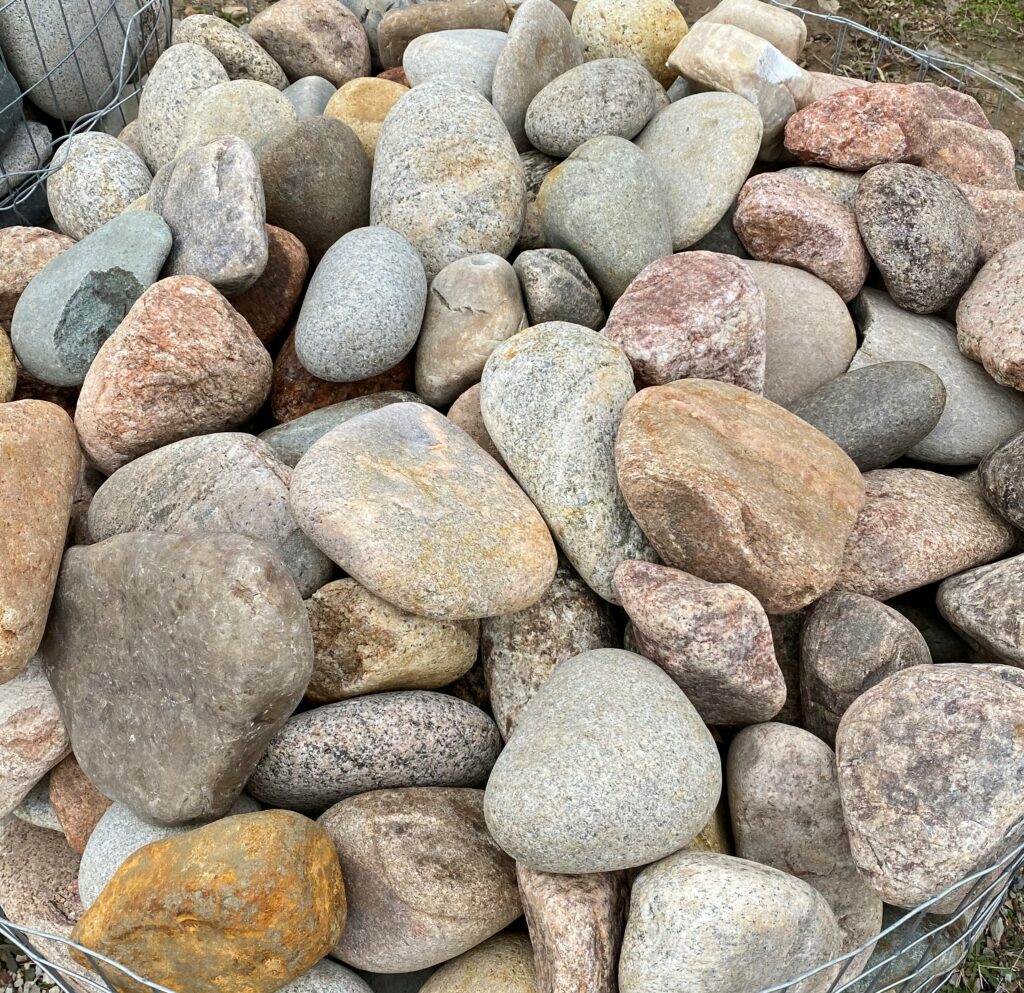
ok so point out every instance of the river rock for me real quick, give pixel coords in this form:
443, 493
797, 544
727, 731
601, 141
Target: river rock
310, 96
76, 802
556, 287
775, 499
183, 362
467, 56
424, 879
918, 527
551, 398
502, 964
24, 253
983, 605
10, 100
235, 50
466, 414
921, 233
36, 808
999, 477
8, 369
965, 153
409, 19
631, 807
536, 165
268, 304
241, 108
1000, 217
328, 976
841, 186
784, 29
363, 104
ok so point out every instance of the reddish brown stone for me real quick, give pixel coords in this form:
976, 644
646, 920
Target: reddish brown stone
779, 219
76, 802
693, 315
23, 254
1000, 216
183, 362
966, 153
945, 103
396, 74
268, 303
465, 412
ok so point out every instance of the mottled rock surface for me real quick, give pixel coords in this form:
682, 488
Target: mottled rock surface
999, 477
76, 802
1000, 217
839, 185
556, 287
784, 29
984, 606
405, 20
363, 104
465, 413
242, 108
24, 253
240, 55
268, 303
966, 153
502, 964
466, 56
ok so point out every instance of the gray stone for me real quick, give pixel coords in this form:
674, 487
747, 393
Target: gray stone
841, 186
27, 148
95, 179
226, 610
551, 398
362, 312
10, 105
556, 287
310, 95
702, 149
370, 13
212, 200
328, 976
690, 923
1001, 479
36, 808
241, 57
604, 204
70, 308
243, 108
604, 97
536, 165
878, 412
447, 176
583, 785
376, 742
979, 413
214, 482
467, 56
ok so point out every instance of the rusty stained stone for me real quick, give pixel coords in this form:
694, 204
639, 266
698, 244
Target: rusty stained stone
24, 253
268, 303
76, 802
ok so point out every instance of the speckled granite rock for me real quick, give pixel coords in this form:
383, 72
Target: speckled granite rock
328, 976
363, 104
234, 49
965, 153
240, 108
76, 802
268, 303
984, 606
839, 185
1000, 217
27, 150
999, 477
404, 20
502, 964
466, 56
556, 287
24, 253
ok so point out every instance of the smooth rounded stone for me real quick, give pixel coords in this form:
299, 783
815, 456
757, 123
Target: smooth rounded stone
691, 917
119, 834
786, 813
424, 879
183, 362
363, 308
979, 413
502, 964
714, 640
72, 306
918, 827
412, 508
999, 477
242, 619
24, 253
268, 304
35, 508
36, 808
551, 399
313, 38
965, 153
10, 101
556, 287
26, 151
215, 482
782, 220
702, 149
474, 305
841, 186
520, 651
848, 644
785, 30
585, 788
878, 412
467, 56
604, 204
465, 413
363, 104
921, 233
918, 527
1000, 218
407, 20
692, 315
233, 48
328, 976
947, 103
211, 198
76, 802
732, 488
272, 876
242, 108
310, 96
983, 606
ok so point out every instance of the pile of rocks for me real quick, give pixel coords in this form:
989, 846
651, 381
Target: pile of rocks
675, 610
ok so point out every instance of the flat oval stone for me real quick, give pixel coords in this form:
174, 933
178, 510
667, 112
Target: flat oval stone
24, 253
310, 96
215, 482
242, 108
502, 964
447, 177
731, 488
556, 287
424, 879
411, 507
268, 304
966, 153
628, 805
234, 49
466, 56
363, 104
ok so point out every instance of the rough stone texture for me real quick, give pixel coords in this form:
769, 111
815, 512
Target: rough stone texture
76, 802
536, 165
234, 49
466, 55
921, 233
268, 303
965, 153
425, 881
72, 306
1000, 217
26, 151
328, 976
731, 488
520, 651
918, 527
556, 287
606, 97
412, 508
310, 96
35, 507
584, 788
466, 414
690, 921
999, 477
10, 100
474, 304
363, 104
183, 362
8, 369
984, 607
36, 808
841, 186
398, 27
784, 29
382, 741
979, 414
215, 482
693, 315
212, 200
780, 219
786, 813
878, 412
272, 877
219, 603
551, 398
713, 640
502, 964
917, 827
24, 253
242, 108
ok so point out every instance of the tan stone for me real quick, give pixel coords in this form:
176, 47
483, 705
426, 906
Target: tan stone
503, 964
24, 252
785, 30
76, 802
465, 413
8, 368
363, 104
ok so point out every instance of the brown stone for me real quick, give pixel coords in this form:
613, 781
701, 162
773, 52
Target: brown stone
396, 74
268, 303
246, 904
24, 252
465, 412
732, 488
779, 219
965, 153
918, 527
8, 369
693, 315
363, 104
76, 802
398, 27
1000, 217
40, 462
183, 362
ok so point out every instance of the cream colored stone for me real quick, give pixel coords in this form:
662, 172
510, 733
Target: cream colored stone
785, 30
363, 104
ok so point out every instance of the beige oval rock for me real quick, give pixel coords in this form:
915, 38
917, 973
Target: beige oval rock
503, 964
784, 29
466, 413
362, 104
